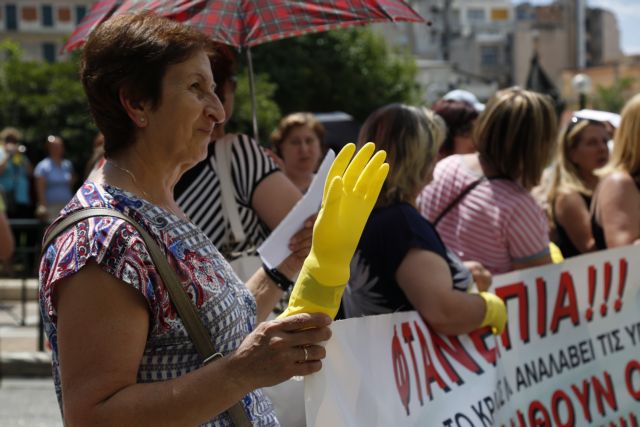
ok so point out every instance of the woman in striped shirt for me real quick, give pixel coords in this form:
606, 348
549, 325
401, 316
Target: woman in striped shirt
480, 203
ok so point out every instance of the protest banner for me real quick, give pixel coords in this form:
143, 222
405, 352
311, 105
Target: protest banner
570, 356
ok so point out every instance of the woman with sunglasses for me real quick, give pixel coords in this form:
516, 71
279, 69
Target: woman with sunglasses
582, 149
615, 211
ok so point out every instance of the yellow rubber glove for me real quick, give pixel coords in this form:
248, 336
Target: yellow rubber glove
556, 254
496, 314
350, 192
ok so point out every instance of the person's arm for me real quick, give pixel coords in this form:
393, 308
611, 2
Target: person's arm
273, 198
41, 208
536, 261
619, 210
573, 215
102, 331
7, 243
425, 279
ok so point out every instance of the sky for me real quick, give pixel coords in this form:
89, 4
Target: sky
628, 14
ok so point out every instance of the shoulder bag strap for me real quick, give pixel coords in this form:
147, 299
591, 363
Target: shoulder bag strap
182, 302
223, 148
457, 200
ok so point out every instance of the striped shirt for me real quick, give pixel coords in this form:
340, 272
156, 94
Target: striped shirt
497, 223
199, 194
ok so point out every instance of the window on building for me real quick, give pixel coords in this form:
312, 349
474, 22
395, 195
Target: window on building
29, 13
11, 14
47, 15
475, 15
64, 15
489, 56
81, 11
49, 52
500, 14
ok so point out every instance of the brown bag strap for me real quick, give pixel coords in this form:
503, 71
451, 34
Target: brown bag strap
186, 310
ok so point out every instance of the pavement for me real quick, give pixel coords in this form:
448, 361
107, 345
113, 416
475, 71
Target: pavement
27, 395
19, 331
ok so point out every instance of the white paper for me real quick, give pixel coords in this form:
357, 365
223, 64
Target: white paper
275, 249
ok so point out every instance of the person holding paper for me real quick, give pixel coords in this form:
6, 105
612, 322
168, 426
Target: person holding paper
615, 208
401, 262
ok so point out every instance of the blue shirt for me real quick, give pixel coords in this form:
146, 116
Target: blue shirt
14, 181
57, 179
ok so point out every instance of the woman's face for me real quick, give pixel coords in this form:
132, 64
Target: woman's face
591, 151
300, 150
188, 111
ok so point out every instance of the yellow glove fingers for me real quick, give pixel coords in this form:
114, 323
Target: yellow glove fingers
365, 179
357, 165
334, 193
376, 184
338, 166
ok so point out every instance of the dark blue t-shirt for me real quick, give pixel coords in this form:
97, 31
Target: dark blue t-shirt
389, 234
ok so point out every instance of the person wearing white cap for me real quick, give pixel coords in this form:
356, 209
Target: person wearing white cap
466, 96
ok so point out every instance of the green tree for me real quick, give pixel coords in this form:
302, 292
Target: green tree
612, 98
352, 70
43, 98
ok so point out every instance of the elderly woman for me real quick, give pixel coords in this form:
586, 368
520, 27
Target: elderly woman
121, 352
582, 149
480, 203
616, 206
401, 263
297, 145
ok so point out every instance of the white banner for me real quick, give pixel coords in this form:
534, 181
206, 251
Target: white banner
570, 356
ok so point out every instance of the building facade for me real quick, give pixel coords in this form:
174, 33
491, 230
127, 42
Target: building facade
41, 27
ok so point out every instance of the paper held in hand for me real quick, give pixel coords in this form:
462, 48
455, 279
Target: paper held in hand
275, 249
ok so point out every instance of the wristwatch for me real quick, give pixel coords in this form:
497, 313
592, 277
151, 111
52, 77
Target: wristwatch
278, 278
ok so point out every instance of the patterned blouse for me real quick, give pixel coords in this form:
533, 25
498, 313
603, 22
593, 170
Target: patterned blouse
226, 306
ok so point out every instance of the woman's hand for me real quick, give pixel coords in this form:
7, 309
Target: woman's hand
300, 246
279, 349
481, 276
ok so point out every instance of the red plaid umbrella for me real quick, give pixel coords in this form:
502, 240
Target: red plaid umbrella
246, 23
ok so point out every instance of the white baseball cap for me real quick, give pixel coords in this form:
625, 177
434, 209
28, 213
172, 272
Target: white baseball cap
465, 96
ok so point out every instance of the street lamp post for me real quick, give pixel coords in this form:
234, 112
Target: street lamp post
582, 86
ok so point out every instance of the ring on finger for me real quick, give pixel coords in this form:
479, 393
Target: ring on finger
306, 354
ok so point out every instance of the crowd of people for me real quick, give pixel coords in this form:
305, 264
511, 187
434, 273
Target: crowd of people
471, 191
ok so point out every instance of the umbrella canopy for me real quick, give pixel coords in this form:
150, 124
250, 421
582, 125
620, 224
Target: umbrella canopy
246, 23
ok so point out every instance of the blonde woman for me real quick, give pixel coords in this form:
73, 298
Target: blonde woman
401, 263
616, 206
480, 202
582, 149
297, 147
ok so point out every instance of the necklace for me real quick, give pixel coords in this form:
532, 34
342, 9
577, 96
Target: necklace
144, 193
133, 177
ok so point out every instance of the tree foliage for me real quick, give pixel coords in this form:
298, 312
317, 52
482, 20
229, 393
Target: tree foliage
612, 98
351, 70
41, 99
